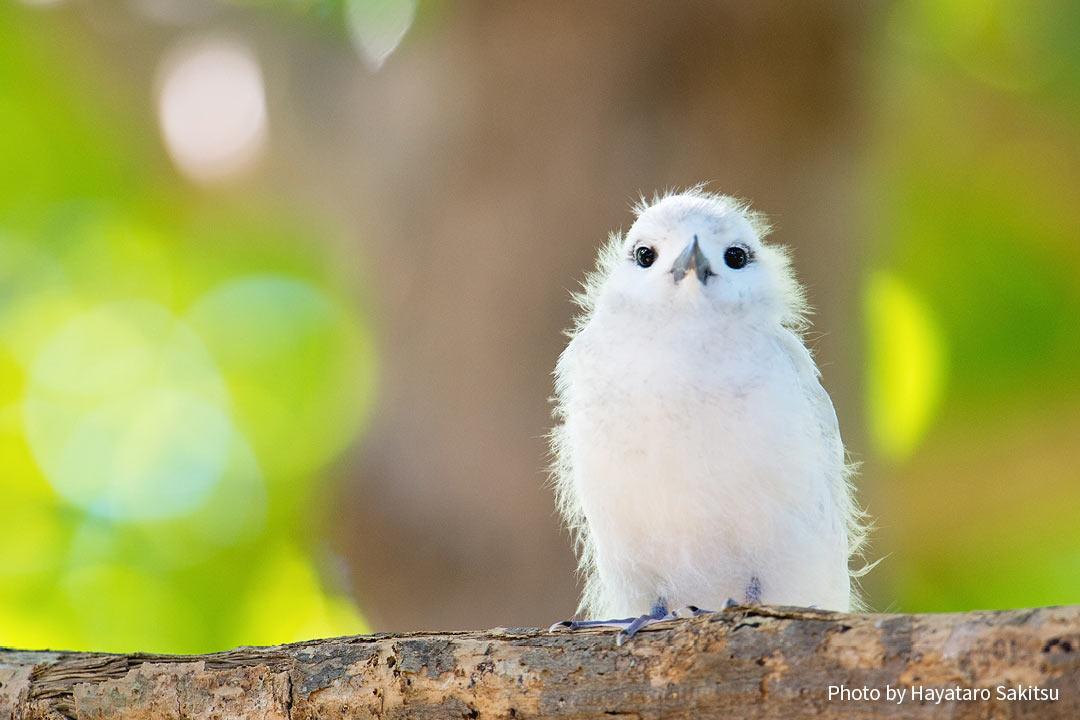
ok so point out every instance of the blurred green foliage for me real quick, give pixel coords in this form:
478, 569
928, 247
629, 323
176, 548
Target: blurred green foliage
973, 307
176, 372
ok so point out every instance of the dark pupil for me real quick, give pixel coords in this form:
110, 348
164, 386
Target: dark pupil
646, 256
735, 257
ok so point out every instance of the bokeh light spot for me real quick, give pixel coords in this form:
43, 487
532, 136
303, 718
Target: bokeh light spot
378, 26
124, 413
237, 508
298, 369
212, 109
906, 365
235, 512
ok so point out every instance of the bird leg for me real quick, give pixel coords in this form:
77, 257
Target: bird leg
753, 592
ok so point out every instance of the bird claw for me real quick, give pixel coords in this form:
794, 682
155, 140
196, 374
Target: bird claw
691, 611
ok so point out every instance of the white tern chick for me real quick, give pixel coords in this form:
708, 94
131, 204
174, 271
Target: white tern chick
697, 459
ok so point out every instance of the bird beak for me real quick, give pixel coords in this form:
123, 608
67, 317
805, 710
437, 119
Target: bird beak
692, 258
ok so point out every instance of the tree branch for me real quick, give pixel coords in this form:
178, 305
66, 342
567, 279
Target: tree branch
754, 663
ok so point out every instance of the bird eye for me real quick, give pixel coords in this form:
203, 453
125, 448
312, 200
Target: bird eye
736, 257
645, 256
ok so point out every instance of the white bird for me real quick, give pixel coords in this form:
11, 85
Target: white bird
697, 458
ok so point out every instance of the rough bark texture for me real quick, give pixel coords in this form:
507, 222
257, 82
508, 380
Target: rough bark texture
747, 663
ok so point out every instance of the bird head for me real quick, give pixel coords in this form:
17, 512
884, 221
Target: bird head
697, 251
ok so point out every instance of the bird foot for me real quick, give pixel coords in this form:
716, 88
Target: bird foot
628, 627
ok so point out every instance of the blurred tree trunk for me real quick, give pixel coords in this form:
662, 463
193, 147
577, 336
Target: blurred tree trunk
762, 662
487, 162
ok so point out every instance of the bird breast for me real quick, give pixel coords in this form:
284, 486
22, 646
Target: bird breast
685, 441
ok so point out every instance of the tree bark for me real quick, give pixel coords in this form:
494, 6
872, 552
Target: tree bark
762, 662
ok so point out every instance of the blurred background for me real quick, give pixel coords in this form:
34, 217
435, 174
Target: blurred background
282, 285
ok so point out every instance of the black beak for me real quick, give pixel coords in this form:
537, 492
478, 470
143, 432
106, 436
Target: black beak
692, 258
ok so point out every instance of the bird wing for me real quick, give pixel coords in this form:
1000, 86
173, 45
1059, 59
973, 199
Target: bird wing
837, 470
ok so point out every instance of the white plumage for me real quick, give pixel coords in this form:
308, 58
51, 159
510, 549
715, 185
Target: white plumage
697, 457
